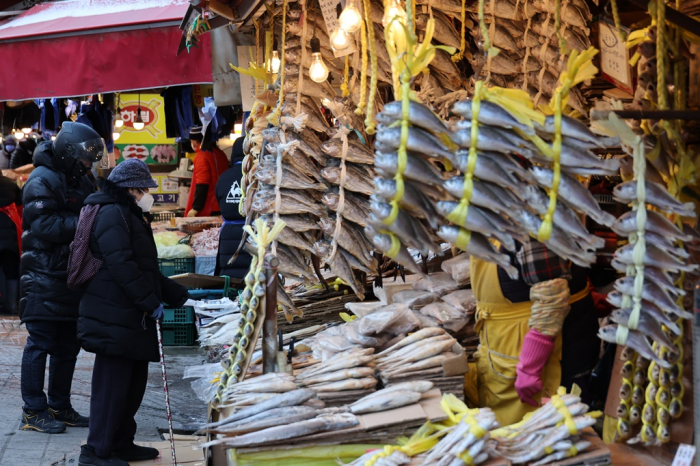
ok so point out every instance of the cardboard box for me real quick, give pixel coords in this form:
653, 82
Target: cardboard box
186, 452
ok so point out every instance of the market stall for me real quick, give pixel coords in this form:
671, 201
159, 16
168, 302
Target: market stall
453, 134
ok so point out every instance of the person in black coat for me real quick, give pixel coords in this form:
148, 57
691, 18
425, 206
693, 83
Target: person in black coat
10, 242
118, 313
9, 145
228, 194
52, 198
23, 154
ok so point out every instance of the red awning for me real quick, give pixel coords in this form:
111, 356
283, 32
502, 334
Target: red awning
81, 47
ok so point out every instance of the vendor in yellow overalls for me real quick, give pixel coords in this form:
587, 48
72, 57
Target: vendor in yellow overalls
520, 339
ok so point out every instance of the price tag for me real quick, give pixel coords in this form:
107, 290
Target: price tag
614, 56
684, 455
169, 185
247, 82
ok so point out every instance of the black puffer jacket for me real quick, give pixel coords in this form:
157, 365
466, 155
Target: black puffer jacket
51, 210
9, 194
113, 311
228, 194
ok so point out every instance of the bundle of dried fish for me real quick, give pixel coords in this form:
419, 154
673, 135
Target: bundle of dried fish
345, 371
422, 350
394, 396
551, 433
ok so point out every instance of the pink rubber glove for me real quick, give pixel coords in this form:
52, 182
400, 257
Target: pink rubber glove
534, 355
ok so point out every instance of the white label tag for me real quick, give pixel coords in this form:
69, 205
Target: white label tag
330, 17
684, 455
247, 82
614, 56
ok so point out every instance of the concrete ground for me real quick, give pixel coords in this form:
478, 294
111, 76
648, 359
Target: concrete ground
19, 448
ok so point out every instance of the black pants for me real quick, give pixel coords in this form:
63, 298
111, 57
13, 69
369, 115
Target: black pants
9, 282
118, 386
60, 341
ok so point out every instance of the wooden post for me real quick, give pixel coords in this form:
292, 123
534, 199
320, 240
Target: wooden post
269, 343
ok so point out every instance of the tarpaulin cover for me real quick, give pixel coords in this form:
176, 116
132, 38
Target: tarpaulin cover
81, 47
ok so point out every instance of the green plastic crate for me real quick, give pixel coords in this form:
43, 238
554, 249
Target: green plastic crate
170, 267
178, 315
179, 334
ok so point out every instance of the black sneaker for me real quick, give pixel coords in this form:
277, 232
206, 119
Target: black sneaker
41, 421
88, 457
137, 453
69, 417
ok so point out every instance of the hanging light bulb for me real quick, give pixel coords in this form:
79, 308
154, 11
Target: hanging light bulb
138, 123
18, 133
340, 40
26, 130
53, 137
274, 63
115, 135
318, 71
350, 19
118, 121
393, 10
1, 139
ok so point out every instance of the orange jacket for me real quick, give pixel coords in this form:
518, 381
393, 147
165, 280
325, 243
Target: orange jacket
208, 167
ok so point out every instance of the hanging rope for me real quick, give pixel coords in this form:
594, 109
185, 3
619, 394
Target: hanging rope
363, 80
370, 124
274, 116
463, 41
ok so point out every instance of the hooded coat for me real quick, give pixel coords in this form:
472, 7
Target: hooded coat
128, 287
51, 209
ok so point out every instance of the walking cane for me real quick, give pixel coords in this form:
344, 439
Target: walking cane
167, 394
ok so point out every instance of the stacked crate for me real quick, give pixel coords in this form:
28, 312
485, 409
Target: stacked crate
178, 323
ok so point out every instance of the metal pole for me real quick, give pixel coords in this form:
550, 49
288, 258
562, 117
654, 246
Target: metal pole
696, 373
672, 16
647, 114
167, 393
269, 344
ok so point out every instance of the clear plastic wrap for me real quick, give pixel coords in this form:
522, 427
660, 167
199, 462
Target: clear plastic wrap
202, 386
462, 300
169, 248
414, 299
364, 308
458, 268
447, 316
425, 321
393, 319
439, 283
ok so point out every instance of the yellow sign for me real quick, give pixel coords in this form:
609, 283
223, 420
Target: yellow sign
151, 143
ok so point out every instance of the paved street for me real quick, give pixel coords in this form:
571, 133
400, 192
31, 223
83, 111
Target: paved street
19, 448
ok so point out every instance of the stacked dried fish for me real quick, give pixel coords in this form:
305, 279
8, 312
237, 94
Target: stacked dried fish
423, 350
391, 397
550, 434
528, 43
465, 444
345, 371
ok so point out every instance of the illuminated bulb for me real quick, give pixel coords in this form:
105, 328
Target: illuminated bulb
18, 134
238, 128
350, 19
116, 135
118, 122
394, 10
274, 65
26, 130
318, 71
138, 123
53, 137
1, 139
340, 40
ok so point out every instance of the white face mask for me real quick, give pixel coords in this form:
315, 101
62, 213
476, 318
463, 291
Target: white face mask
146, 202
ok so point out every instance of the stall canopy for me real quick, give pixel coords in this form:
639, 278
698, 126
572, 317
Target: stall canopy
80, 47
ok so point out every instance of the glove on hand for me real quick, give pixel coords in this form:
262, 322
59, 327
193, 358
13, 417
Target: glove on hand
534, 355
550, 306
192, 213
158, 313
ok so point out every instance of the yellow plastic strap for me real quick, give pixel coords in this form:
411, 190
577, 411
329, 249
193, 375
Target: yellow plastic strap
363, 80
563, 49
400, 189
388, 450
546, 228
476, 430
346, 77
463, 238
548, 450
573, 451
466, 457
395, 247
391, 218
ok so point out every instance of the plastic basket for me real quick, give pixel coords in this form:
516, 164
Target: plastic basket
178, 315
170, 267
178, 334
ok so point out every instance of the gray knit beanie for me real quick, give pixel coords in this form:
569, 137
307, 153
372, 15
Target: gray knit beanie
132, 173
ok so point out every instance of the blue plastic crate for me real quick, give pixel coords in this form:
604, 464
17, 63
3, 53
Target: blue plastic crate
170, 267
179, 315
179, 334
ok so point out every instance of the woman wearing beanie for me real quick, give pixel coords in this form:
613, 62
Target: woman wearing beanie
118, 313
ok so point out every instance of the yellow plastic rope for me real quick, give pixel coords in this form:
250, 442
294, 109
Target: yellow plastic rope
545, 231
463, 41
616, 18
661, 55
370, 124
563, 49
363, 80
488, 48
346, 77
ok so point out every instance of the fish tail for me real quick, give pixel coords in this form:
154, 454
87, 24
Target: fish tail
605, 219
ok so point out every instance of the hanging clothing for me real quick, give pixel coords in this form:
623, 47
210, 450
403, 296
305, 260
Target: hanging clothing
208, 168
178, 111
502, 326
